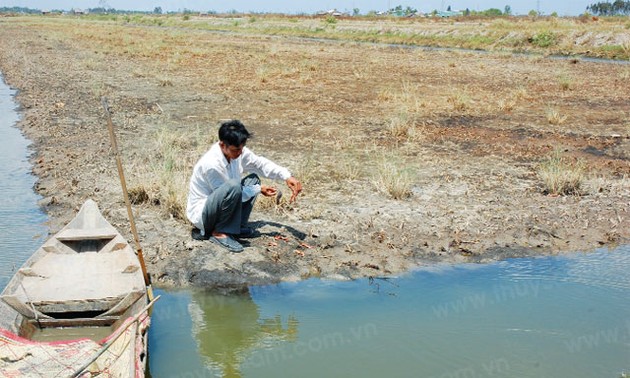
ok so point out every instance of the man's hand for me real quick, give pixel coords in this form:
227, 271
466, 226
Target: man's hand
268, 191
295, 186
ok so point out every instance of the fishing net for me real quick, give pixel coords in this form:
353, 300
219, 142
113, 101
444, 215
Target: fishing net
121, 355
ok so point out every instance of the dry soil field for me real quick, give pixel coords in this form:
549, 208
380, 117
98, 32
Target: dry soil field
408, 156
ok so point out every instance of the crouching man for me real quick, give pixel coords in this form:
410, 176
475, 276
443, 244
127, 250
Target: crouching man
220, 199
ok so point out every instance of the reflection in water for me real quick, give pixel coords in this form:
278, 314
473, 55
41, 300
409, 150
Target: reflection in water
227, 328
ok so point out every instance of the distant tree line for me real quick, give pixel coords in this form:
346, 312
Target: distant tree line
97, 10
399, 10
606, 8
18, 10
101, 10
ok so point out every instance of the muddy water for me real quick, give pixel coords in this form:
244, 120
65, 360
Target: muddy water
539, 317
22, 228
536, 317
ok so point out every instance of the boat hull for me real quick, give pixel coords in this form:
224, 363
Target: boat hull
78, 306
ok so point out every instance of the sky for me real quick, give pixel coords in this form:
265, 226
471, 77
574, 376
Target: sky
562, 7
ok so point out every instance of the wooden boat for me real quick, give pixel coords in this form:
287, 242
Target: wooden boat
78, 307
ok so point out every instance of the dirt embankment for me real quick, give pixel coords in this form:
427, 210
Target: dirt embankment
459, 134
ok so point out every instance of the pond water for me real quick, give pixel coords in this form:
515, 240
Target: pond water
563, 316
534, 317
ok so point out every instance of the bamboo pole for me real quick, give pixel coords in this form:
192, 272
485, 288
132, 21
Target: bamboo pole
121, 174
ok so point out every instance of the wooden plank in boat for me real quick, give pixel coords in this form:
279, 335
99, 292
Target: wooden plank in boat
22, 308
83, 305
78, 322
124, 304
75, 234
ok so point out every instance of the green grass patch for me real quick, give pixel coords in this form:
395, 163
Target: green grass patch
544, 39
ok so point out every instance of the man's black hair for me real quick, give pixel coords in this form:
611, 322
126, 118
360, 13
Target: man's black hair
233, 133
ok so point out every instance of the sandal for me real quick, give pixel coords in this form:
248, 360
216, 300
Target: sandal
227, 242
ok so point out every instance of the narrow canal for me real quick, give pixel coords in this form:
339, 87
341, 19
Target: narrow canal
566, 316
22, 223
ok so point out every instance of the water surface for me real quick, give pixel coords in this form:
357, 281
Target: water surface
535, 317
22, 228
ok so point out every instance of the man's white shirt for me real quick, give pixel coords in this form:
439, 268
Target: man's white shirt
213, 170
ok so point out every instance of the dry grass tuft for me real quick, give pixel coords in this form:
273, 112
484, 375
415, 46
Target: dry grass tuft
520, 93
91, 64
309, 171
408, 97
174, 200
269, 204
165, 82
561, 176
393, 180
386, 94
263, 74
555, 118
566, 83
399, 126
349, 170
138, 195
506, 105
360, 73
272, 204
164, 179
265, 204
459, 101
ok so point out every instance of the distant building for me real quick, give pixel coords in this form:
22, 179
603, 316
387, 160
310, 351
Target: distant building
332, 12
446, 14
